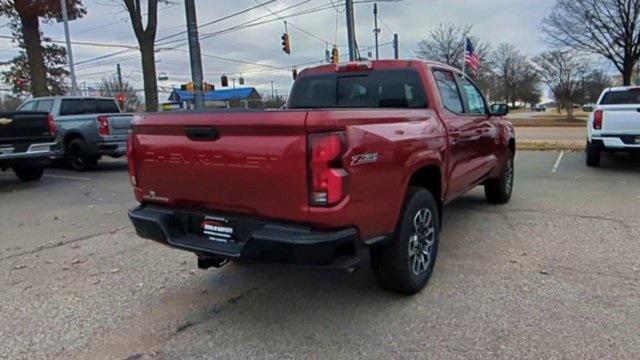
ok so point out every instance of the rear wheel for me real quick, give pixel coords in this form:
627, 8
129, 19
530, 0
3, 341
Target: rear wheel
593, 155
499, 190
28, 173
406, 262
77, 156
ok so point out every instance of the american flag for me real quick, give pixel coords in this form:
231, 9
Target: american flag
471, 58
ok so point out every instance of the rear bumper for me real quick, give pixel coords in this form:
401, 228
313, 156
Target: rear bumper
617, 142
112, 147
36, 154
252, 238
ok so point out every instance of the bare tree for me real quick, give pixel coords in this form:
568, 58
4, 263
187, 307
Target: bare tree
146, 37
25, 18
445, 44
508, 62
593, 84
610, 28
562, 72
110, 87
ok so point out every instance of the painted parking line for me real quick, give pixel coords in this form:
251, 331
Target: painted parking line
65, 177
557, 164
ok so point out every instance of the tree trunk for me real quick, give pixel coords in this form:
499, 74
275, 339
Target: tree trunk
627, 74
569, 108
33, 46
148, 55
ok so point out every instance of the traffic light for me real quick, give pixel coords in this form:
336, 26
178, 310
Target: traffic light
241, 81
224, 80
294, 73
335, 55
120, 99
20, 84
286, 45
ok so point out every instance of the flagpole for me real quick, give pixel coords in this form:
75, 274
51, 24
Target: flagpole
464, 55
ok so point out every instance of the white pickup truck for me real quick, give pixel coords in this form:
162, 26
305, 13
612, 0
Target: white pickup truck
614, 125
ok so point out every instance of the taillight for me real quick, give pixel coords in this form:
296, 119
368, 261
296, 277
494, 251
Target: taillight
103, 125
51, 124
597, 119
355, 66
131, 164
328, 179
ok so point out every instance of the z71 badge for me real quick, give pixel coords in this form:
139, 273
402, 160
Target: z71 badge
362, 159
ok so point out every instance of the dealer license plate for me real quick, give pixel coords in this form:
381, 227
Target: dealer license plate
217, 229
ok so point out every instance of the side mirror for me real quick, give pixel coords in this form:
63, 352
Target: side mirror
499, 109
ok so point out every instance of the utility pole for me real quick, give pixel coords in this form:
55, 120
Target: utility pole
72, 70
351, 32
119, 70
120, 94
194, 53
396, 51
272, 94
376, 30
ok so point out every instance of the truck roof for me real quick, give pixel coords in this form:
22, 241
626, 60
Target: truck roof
621, 88
378, 64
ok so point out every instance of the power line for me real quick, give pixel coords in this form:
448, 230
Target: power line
87, 43
296, 26
393, 32
219, 19
183, 44
245, 25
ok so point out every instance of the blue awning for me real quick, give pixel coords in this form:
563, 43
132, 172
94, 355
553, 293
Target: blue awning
217, 95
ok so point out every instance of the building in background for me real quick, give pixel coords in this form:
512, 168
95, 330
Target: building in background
227, 98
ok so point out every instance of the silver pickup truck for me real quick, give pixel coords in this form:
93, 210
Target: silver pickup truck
88, 127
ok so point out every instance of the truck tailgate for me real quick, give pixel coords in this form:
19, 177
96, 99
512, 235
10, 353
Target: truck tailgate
621, 119
248, 162
16, 126
119, 124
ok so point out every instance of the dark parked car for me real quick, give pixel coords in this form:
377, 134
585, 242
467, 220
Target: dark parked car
26, 139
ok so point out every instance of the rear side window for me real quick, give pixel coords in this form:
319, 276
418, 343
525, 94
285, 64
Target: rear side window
45, 105
621, 97
28, 106
377, 89
78, 107
449, 92
106, 106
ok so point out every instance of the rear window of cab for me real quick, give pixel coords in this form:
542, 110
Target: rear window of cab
377, 89
621, 97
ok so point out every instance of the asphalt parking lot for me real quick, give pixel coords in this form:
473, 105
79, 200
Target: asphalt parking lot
553, 274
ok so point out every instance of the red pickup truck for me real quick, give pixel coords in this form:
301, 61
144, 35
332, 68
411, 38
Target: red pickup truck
364, 158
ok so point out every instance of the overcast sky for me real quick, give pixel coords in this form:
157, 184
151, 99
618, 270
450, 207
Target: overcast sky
493, 21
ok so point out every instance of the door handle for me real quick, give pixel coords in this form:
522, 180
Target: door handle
202, 133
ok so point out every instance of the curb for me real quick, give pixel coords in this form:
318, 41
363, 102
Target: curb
541, 145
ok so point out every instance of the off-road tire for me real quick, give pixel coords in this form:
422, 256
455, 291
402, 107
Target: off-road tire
392, 262
28, 173
593, 155
499, 190
77, 156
